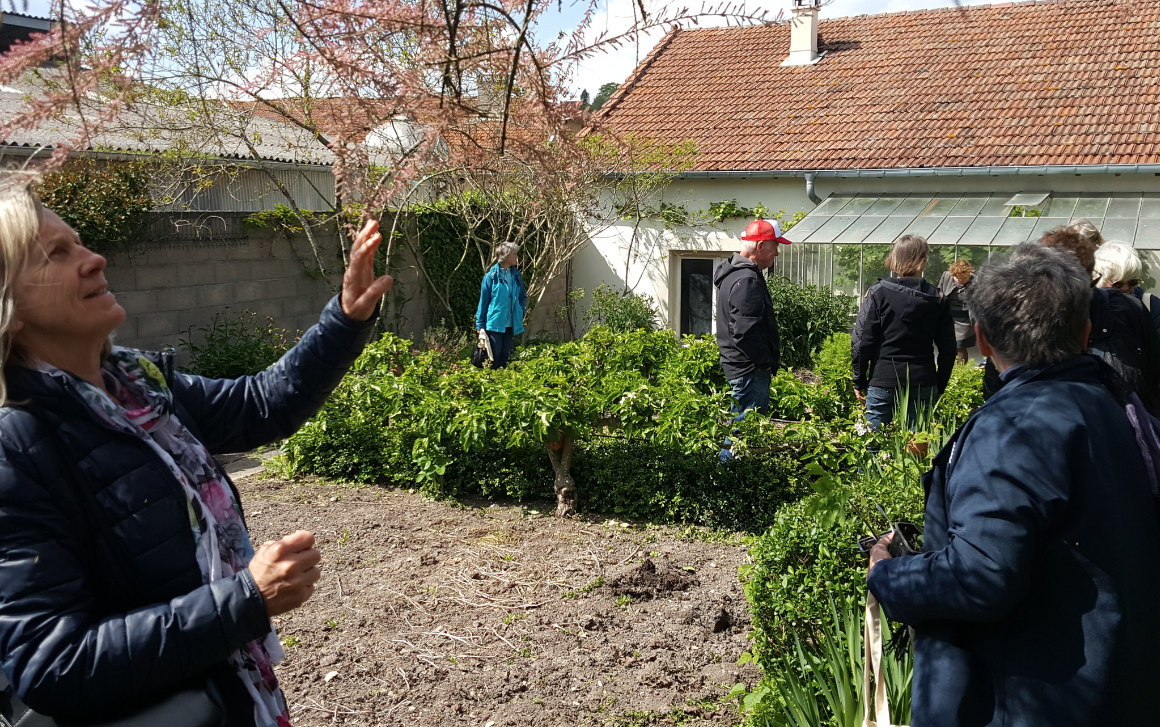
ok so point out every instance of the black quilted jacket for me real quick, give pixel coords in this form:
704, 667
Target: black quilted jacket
73, 639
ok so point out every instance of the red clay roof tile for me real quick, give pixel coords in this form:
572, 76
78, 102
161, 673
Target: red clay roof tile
1055, 82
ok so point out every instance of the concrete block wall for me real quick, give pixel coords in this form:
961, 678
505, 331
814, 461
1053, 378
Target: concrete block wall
173, 287
170, 288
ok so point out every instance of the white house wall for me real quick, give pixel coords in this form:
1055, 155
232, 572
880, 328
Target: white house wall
655, 270
604, 259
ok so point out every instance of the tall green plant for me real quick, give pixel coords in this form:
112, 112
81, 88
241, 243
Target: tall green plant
621, 311
806, 316
819, 682
230, 346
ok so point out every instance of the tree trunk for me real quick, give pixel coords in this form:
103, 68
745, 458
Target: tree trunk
567, 500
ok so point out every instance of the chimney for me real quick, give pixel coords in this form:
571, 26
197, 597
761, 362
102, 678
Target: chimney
803, 33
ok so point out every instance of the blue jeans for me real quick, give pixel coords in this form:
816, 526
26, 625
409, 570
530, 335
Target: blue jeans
501, 347
751, 391
881, 402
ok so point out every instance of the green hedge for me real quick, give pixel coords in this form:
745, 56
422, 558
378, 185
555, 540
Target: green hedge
641, 480
806, 316
805, 559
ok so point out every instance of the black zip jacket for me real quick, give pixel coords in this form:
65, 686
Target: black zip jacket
900, 324
72, 643
1124, 337
746, 326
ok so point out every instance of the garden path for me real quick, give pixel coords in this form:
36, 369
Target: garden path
443, 613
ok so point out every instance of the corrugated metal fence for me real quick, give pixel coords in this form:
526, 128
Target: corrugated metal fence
252, 190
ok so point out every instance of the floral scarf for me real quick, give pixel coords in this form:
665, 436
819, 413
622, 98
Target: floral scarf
142, 405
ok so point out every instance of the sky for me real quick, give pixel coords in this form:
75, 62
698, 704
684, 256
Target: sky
617, 15
615, 66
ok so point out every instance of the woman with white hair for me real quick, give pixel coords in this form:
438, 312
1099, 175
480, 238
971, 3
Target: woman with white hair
1119, 267
502, 302
130, 586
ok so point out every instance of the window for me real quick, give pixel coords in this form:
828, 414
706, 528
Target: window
697, 296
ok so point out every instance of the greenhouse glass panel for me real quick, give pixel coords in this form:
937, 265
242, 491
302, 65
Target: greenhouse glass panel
941, 257
949, 232
913, 205
885, 206
1150, 277
847, 268
997, 252
873, 265
1120, 229
1090, 208
1124, 207
861, 230
1148, 234
1150, 208
858, 206
996, 207
831, 205
970, 206
814, 265
1015, 230
940, 206
1060, 207
923, 226
891, 229
982, 231
834, 227
806, 227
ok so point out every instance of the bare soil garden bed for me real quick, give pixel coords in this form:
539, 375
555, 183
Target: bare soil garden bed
443, 613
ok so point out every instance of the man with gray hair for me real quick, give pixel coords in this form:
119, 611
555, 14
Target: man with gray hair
1032, 601
746, 327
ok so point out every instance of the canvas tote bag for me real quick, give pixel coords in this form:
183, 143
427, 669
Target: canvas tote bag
875, 705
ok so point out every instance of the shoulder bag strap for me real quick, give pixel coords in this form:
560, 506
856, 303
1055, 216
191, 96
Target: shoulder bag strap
877, 705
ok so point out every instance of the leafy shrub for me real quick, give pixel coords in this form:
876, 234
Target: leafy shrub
642, 480
792, 398
449, 343
107, 204
621, 311
231, 347
279, 219
809, 557
964, 393
420, 418
832, 361
806, 316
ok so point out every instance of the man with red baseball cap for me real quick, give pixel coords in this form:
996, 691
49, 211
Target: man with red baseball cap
746, 327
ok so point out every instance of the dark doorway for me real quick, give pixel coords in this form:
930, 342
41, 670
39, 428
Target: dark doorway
696, 296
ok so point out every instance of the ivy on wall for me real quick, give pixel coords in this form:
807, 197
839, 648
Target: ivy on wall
452, 249
107, 204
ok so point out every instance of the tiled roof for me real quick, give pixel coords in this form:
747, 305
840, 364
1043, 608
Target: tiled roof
1031, 83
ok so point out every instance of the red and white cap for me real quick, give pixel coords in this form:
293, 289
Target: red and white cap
761, 230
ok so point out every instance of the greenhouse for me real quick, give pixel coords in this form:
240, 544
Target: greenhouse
843, 242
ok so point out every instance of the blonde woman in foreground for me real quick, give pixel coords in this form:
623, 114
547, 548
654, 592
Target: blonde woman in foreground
129, 585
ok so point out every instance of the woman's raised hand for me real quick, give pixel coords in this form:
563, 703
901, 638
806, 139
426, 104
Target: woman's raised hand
361, 291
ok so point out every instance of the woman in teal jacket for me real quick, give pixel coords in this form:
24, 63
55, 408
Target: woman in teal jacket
502, 301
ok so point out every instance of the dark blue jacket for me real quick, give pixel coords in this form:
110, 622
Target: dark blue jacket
1034, 601
71, 640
